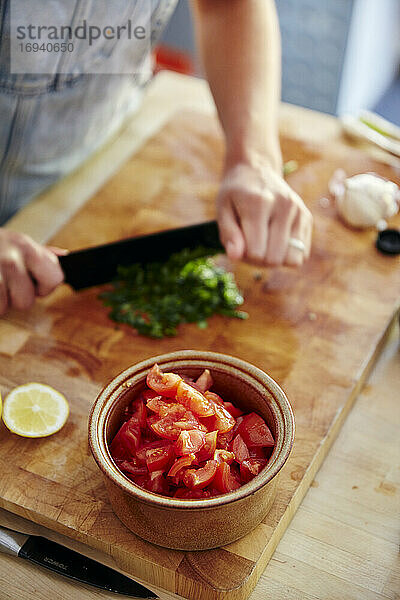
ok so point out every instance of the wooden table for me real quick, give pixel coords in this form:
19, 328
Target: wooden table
342, 542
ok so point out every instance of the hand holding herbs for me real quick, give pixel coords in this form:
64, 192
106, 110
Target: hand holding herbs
188, 288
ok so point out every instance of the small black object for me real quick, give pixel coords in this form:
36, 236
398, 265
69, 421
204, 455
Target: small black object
388, 241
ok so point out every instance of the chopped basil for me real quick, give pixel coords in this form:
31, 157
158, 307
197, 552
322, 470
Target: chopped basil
290, 167
189, 287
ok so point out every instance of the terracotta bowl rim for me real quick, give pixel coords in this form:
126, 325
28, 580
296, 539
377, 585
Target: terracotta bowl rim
110, 394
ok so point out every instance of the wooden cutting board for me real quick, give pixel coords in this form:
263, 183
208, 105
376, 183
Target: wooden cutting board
316, 330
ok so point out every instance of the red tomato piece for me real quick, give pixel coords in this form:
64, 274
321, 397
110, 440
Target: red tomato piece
237, 425
200, 478
222, 419
140, 479
130, 432
170, 426
194, 400
214, 397
118, 450
250, 468
224, 456
132, 466
189, 421
181, 463
213, 491
157, 483
233, 410
210, 445
205, 381
159, 458
224, 481
190, 440
255, 431
165, 428
224, 439
148, 394
186, 494
139, 412
240, 449
218, 449
127, 439
163, 383
162, 408
149, 445
259, 452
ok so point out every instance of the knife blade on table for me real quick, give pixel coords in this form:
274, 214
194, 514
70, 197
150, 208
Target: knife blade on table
98, 264
69, 563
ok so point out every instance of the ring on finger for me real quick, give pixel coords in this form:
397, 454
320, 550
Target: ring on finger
298, 244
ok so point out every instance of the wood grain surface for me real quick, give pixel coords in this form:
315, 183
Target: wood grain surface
316, 331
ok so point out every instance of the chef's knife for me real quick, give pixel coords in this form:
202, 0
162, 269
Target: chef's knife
97, 265
69, 563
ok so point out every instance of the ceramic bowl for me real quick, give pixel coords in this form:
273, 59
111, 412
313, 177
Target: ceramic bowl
193, 524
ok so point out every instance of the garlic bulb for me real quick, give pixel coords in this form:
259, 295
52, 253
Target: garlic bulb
364, 200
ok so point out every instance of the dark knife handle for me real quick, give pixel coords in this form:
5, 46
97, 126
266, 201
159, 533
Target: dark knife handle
76, 566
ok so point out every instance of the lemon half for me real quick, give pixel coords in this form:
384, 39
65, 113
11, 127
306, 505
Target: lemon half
35, 410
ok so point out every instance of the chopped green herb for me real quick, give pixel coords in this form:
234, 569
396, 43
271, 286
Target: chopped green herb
189, 287
290, 167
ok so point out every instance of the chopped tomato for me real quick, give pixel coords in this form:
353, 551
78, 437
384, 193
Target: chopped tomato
140, 480
250, 468
165, 428
224, 439
223, 480
149, 445
127, 440
163, 383
132, 466
233, 410
189, 421
181, 440
194, 400
157, 483
190, 440
118, 450
181, 463
237, 424
170, 427
200, 478
162, 408
214, 397
149, 395
224, 456
136, 409
210, 444
185, 494
240, 449
259, 452
255, 431
205, 381
139, 412
159, 458
222, 419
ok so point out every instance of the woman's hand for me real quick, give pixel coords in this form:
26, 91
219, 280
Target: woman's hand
258, 213
27, 270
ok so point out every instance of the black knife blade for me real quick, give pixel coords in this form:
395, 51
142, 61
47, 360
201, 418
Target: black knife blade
97, 265
69, 563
